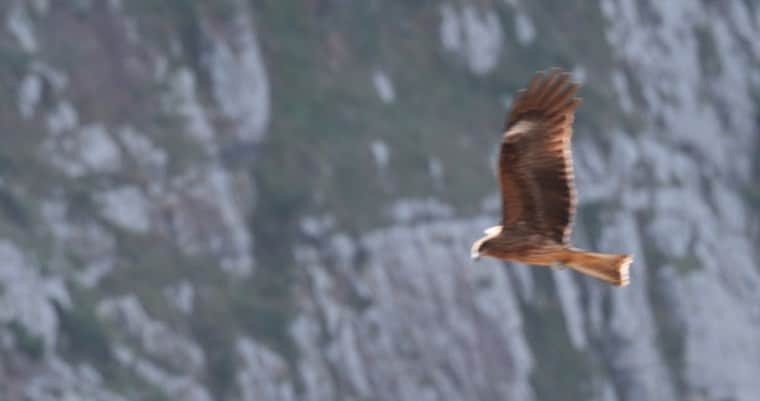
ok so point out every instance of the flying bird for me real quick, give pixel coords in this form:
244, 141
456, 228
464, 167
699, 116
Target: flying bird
537, 191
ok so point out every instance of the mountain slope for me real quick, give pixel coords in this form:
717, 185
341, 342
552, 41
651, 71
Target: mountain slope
274, 200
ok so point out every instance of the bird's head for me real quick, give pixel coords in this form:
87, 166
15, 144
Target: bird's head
482, 246
478, 248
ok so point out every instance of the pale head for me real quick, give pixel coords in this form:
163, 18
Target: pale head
480, 247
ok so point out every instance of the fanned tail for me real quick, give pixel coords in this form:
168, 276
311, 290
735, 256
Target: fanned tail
608, 267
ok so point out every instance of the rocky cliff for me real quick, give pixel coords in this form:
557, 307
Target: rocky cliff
273, 200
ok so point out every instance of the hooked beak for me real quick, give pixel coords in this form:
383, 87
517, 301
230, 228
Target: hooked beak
475, 255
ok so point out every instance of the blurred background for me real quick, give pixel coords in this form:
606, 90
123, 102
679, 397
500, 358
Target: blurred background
274, 200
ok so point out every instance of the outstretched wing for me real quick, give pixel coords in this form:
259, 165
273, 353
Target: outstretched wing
535, 164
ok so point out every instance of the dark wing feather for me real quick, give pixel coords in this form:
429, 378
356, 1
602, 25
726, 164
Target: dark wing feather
535, 164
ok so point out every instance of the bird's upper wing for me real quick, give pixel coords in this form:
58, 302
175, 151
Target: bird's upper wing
535, 164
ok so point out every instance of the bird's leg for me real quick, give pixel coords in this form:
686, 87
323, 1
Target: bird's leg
558, 266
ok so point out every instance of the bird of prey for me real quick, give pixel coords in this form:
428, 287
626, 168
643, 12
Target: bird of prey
538, 195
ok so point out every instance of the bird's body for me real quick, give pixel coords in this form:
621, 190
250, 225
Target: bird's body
536, 176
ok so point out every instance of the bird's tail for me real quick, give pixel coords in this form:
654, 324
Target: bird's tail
608, 267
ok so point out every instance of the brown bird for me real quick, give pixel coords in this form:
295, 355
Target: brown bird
538, 196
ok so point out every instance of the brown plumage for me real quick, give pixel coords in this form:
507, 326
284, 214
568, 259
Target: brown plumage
538, 195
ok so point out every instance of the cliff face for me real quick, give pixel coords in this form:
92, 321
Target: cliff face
274, 200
